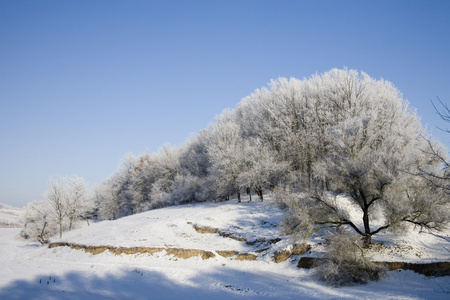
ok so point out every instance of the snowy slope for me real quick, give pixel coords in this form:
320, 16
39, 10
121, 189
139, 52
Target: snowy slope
10, 216
33, 272
174, 227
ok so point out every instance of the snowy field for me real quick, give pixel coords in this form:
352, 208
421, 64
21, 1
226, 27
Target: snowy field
30, 271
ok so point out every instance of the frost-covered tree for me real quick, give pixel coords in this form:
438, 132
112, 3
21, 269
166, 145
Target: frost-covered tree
141, 182
78, 201
262, 170
289, 118
114, 196
109, 197
194, 183
56, 196
166, 167
194, 158
226, 152
373, 142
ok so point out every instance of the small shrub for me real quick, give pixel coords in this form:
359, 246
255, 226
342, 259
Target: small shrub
346, 264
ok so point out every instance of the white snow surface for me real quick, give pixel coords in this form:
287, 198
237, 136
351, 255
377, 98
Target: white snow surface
31, 271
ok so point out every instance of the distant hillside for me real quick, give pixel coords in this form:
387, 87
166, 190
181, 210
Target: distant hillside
10, 216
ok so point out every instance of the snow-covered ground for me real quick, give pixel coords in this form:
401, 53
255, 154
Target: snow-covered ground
30, 271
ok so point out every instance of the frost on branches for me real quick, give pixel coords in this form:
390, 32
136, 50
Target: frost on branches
372, 145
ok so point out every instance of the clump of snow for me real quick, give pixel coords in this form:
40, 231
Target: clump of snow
30, 271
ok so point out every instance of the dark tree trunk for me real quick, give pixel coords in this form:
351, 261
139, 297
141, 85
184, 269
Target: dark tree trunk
367, 234
259, 192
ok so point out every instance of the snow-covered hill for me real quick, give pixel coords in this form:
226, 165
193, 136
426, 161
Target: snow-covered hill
10, 216
34, 272
243, 227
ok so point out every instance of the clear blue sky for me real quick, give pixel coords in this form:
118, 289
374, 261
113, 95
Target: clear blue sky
82, 83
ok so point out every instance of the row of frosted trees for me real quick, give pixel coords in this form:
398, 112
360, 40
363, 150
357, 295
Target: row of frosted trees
306, 141
67, 201
339, 132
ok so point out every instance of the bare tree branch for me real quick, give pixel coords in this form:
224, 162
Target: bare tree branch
443, 113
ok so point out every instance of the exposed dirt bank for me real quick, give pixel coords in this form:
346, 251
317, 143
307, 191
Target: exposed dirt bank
427, 269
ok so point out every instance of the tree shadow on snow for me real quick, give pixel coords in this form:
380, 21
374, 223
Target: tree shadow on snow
217, 283
134, 284
129, 284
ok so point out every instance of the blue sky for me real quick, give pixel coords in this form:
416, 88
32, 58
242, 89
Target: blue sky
82, 83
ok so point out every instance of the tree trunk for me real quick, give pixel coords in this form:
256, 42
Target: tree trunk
259, 192
239, 196
87, 220
41, 236
367, 235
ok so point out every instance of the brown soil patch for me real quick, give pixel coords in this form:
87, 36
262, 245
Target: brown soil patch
297, 249
232, 236
209, 229
208, 254
225, 253
246, 256
280, 256
184, 253
135, 250
205, 229
95, 249
115, 250
427, 269
176, 252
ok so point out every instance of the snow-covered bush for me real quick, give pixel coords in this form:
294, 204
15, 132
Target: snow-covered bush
345, 263
38, 224
297, 222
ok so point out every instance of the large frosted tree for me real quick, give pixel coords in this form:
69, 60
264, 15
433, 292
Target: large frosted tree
370, 144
